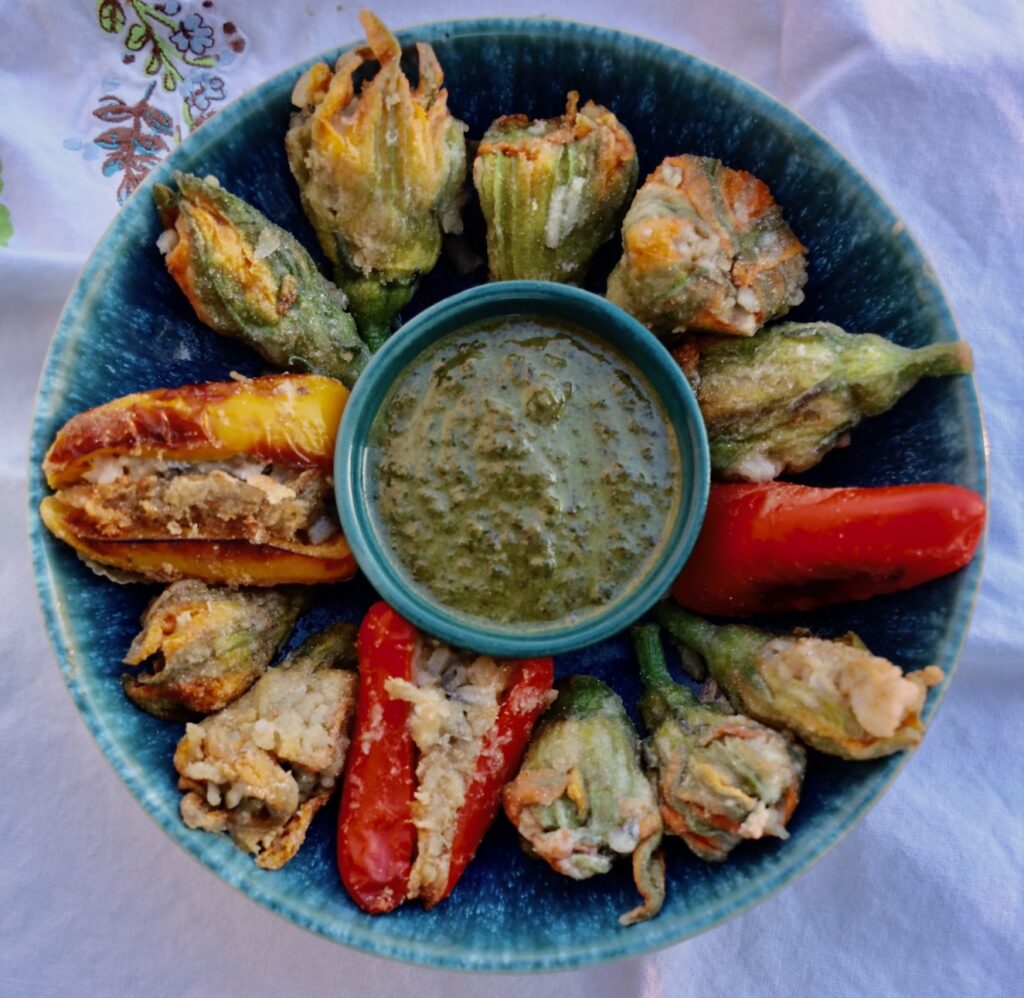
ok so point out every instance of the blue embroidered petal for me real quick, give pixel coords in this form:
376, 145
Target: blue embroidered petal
202, 39
180, 40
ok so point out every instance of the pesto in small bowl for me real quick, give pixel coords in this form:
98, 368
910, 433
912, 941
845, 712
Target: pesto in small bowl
522, 469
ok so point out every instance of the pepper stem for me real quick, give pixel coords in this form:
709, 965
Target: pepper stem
650, 654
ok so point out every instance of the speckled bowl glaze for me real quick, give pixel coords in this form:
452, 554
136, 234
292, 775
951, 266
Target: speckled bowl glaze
127, 327
367, 536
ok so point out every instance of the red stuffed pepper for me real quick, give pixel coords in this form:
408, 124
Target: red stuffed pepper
775, 546
438, 734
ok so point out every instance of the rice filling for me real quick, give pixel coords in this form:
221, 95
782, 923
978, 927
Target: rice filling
230, 501
455, 700
261, 768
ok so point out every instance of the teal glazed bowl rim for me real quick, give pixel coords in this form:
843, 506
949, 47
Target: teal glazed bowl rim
353, 489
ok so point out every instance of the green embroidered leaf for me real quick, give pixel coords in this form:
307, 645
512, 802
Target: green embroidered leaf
136, 37
153, 64
168, 81
203, 60
111, 16
6, 229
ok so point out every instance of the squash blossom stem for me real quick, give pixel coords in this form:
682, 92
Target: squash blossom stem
651, 656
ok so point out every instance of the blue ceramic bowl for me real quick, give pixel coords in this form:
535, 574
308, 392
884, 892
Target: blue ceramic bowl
367, 536
127, 327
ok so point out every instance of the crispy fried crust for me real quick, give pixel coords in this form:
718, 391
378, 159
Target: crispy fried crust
262, 768
504, 137
207, 645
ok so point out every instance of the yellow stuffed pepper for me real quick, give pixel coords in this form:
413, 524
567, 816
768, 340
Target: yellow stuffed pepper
222, 482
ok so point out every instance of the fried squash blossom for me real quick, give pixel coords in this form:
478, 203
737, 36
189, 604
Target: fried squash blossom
380, 172
581, 799
207, 645
835, 695
706, 248
251, 280
778, 402
263, 767
553, 191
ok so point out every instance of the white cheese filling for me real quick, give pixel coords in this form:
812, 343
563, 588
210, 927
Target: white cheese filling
455, 702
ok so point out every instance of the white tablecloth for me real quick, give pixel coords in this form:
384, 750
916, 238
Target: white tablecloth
926, 896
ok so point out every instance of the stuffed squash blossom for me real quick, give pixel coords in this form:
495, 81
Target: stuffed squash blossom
380, 169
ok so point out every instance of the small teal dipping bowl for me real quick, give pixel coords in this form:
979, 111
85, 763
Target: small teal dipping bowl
354, 489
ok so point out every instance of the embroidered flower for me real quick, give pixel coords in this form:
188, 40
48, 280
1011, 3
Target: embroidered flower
194, 35
202, 88
173, 46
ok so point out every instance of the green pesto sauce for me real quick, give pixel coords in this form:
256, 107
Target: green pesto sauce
524, 471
